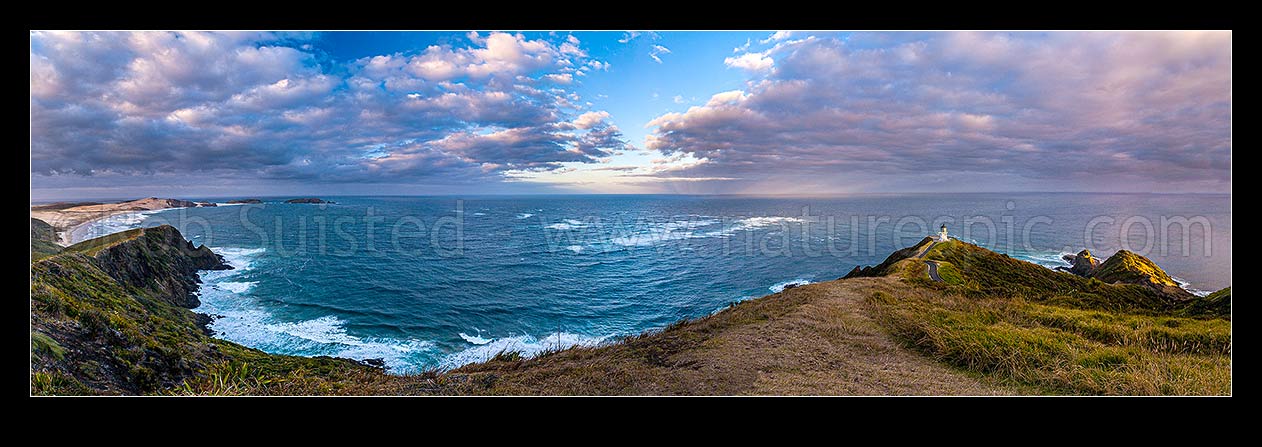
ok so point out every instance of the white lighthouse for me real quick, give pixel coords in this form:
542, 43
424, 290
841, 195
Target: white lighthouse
942, 234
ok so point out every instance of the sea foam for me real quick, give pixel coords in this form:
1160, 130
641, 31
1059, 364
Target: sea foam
780, 286
112, 224
242, 319
527, 345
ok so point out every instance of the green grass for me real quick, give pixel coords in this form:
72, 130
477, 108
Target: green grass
985, 274
43, 240
1127, 267
45, 344
250, 372
43, 249
91, 246
1063, 350
949, 274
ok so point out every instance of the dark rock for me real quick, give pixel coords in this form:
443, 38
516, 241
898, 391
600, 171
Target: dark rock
245, 201
375, 363
203, 322
307, 200
160, 259
206, 204
789, 286
857, 272
1083, 263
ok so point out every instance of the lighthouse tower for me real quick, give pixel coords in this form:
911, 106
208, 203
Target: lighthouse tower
942, 234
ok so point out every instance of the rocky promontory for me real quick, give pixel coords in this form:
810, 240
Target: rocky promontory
110, 315
157, 257
1082, 264
1125, 267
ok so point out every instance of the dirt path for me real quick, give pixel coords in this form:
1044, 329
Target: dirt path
810, 340
841, 350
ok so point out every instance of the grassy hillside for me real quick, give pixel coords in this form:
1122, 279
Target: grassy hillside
96, 332
1023, 324
1129, 268
984, 273
43, 240
994, 326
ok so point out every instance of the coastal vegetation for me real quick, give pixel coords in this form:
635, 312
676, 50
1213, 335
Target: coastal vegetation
1025, 325
112, 316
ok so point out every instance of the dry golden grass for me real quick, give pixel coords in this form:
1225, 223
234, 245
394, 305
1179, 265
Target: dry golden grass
1061, 350
811, 340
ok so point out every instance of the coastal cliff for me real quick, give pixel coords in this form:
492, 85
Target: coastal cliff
110, 316
156, 259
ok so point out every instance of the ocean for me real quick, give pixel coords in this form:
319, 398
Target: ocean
438, 282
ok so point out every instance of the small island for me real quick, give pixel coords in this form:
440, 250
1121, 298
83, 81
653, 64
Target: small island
245, 201
308, 200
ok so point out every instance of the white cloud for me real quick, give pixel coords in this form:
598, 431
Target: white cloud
628, 36
590, 119
562, 78
260, 106
750, 61
777, 36
658, 50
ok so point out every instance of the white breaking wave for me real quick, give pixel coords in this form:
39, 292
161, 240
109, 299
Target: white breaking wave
662, 232
751, 223
760, 222
242, 319
779, 287
236, 287
479, 214
112, 224
1046, 259
526, 345
524, 215
575, 248
1188, 287
476, 339
568, 224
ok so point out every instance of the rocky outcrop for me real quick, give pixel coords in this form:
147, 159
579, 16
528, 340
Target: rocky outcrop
1082, 263
1126, 267
308, 200
247, 201
206, 204
158, 259
109, 315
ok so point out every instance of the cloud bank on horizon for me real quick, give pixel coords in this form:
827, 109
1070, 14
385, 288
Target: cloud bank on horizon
510, 112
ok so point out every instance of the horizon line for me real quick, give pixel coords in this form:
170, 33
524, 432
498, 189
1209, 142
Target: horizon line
820, 195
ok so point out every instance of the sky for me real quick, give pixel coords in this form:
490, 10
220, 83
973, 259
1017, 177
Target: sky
214, 114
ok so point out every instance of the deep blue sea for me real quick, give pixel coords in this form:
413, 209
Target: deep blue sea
442, 281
